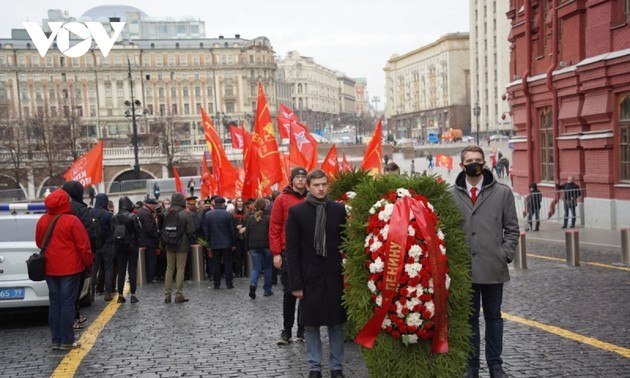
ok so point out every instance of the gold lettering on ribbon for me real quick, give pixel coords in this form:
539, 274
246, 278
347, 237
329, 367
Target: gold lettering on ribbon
391, 278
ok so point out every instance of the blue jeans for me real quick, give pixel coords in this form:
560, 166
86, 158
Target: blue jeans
314, 347
569, 207
224, 255
261, 261
62, 294
490, 296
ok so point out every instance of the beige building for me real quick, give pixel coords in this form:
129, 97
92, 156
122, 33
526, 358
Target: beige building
170, 78
489, 66
427, 89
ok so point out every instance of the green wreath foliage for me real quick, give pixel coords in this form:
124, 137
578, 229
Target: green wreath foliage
390, 357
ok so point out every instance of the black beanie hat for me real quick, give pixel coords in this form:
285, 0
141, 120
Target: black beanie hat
297, 171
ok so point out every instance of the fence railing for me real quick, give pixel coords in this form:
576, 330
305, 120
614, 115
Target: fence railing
552, 209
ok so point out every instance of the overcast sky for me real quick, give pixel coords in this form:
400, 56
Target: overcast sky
356, 37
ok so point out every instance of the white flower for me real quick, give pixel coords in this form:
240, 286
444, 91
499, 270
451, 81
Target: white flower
411, 231
379, 300
410, 339
384, 231
386, 323
414, 319
377, 266
440, 234
415, 251
430, 307
351, 194
372, 210
372, 286
376, 245
402, 192
447, 282
412, 269
399, 308
430, 207
386, 213
443, 249
343, 262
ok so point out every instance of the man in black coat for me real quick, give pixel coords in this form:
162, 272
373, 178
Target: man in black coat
571, 194
219, 230
313, 240
127, 254
148, 236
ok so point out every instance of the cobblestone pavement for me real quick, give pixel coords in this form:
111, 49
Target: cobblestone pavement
223, 333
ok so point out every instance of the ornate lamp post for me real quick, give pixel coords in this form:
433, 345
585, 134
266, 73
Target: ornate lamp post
132, 113
477, 112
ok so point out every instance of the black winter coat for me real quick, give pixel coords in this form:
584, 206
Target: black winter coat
149, 233
219, 229
321, 278
257, 233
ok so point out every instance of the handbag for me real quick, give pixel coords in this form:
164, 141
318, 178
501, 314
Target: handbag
36, 264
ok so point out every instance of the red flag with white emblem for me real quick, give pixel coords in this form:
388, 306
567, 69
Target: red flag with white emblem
330, 165
302, 147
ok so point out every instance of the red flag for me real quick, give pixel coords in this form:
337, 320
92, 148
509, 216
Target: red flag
330, 165
179, 185
265, 146
302, 147
207, 188
88, 169
444, 161
373, 157
236, 133
285, 118
345, 167
225, 175
251, 177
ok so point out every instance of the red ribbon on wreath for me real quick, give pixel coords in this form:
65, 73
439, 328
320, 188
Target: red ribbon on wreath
396, 247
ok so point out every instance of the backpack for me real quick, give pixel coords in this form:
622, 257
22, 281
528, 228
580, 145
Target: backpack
171, 232
99, 228
121, 234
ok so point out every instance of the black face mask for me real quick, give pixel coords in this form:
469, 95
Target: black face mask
473, 169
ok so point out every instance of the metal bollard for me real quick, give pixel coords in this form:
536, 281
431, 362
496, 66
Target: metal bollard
572, 238
141, 271
625, 246
198, 274
520, 258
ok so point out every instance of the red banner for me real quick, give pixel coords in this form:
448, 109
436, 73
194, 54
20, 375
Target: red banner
345, 166
373, 156
207, 189
238, 139
330, 165
265, 146
225, 175
442, 160
88, 169
285, 118
396, 246
438, 274
179, 185
302, 147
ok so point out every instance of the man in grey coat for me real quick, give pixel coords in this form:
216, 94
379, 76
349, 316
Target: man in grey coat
313, 240
491, 227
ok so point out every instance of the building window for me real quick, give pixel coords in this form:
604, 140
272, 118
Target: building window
546, 144
174, 109
624, 139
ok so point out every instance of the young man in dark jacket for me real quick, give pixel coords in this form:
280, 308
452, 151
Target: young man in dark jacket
491, 227
293, 194
313, 249
220, 236
103, 255
127, 252
148, 236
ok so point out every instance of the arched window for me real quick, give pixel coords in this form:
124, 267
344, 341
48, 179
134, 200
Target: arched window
624, 138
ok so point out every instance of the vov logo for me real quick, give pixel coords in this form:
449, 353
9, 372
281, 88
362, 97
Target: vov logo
62, 32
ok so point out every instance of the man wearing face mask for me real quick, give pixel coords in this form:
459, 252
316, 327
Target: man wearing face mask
491, 227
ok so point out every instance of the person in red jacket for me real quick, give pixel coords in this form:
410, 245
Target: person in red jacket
67, 255
293, 194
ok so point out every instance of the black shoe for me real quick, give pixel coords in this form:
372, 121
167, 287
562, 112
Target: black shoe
314, 374
134, 299
300, 337
471, 373
497, 372
336, 374
121, 299
252, 292
564, 226
285, 339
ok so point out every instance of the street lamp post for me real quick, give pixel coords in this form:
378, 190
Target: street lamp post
134, 140
477, 111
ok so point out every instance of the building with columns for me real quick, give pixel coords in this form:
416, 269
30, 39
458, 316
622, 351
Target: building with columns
428, 89
570, 98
